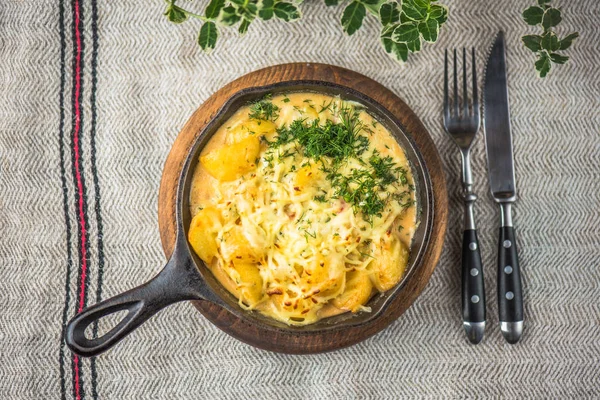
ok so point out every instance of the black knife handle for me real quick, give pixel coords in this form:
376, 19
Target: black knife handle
510, 297
473, 290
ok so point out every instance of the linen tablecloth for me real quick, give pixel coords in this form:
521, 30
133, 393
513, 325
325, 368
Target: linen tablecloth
93, 95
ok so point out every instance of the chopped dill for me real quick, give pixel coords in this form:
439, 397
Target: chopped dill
384, 169
333, 144
264, 110
338, 141
311, 234
365, 255
301, 216
325, 107
404, 199
360, 190
286, 154
268, 158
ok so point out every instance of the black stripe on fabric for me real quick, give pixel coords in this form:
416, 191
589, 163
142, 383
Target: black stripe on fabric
77, 7
65, 190
100, 243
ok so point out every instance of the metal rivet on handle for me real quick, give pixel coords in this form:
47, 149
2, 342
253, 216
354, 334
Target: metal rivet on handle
473, 246
510, 295
506, 244
475, 299
508, 270
474, 272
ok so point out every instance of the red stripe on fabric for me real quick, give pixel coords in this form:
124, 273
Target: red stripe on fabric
77, 150
77, 159
77, 386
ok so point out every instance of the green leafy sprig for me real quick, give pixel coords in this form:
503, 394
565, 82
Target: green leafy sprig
546, 45
405, 25
224, 13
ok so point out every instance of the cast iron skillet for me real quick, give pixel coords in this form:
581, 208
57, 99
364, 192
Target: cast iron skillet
185, 277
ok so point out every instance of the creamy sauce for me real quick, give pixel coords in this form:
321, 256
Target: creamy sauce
267, 221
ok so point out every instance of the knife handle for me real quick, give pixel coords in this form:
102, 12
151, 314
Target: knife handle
510, 295
473, 291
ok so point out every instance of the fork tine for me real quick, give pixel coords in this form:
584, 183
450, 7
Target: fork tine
455, 98
475, 98
465, 111
446, 107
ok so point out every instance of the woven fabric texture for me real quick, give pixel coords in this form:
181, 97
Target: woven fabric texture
94, 94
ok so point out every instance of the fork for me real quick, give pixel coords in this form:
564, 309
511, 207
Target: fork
462, 124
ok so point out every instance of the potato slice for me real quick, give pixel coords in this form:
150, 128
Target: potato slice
298, 308
230, 162
357, 292
236, 248
203, 233
249, 283
307, 176
391, 258
323, 277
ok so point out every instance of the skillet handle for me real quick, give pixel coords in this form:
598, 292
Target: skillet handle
173, 284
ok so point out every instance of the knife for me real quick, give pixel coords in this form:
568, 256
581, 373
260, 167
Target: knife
501, 172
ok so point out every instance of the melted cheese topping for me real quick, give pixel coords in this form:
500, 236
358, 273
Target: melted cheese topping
269, 225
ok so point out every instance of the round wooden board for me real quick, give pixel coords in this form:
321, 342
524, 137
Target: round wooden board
290, 342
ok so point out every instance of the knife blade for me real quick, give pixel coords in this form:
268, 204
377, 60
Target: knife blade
498, 138
501, 173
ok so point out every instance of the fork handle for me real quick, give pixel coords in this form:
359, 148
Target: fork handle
473, 291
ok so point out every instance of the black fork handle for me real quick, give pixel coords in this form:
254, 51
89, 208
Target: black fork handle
473, 289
